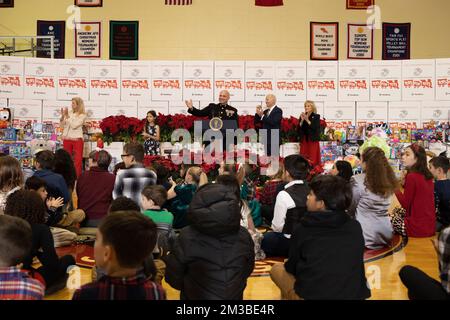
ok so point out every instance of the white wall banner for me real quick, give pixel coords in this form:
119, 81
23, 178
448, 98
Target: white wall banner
157, 106
340, 111
290, 80
179, 107
11, 77
259, 79
73, 79
418, 79
229, 75
167, 79
372, 111
385, 80
354, 79
287, 107
438, 111
40, 78
26, 109
96, 111
198, 80
105, 80
404, 112
442, 79
136, 81
121, 108
322, 80
51, 110
246, 108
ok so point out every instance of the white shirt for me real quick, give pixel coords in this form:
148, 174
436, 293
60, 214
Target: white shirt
283, 203
270, 110
73, 126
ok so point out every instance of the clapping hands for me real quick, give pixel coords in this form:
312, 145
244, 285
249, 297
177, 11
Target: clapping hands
189, 104
55, 203
259, 110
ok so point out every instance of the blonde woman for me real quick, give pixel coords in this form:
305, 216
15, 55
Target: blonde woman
72, 123
309, 133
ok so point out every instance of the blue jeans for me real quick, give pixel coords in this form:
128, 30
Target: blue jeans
275, 244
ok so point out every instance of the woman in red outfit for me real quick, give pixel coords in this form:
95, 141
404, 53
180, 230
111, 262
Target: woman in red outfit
309, 133
418, 196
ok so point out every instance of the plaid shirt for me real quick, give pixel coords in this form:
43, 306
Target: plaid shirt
270, 192
130, 182
444, 258
132, 288
18, 285
248, 190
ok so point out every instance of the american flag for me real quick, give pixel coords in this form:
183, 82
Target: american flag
179, 2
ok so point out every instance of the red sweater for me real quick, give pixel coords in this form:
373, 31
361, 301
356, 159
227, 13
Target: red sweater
418, 200
94, 191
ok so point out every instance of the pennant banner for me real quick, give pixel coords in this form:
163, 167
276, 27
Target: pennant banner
360, 4
124, 40
396, 41
324, 41
360, 42
51, 28
88, 39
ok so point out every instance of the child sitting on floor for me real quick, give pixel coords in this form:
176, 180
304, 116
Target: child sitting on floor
439, 167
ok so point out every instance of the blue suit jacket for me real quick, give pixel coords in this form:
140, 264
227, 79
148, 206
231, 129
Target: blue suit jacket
271, 122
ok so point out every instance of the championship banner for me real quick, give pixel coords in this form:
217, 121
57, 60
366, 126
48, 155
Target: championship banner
11, 77
40, 79
442, 79
340, 111
121, 108
51, 28
360, 4
136, 81
88, 41
324, 37
73, 79
167, 78
418, 79
198, 79
259, 79
385, 80
396, 41
229, 75
51, 110
404, 112
290, 80
322, 80
354, 80
371, 112
157, 106
26, 109
437, 111
360, 41
104, 80
124, 40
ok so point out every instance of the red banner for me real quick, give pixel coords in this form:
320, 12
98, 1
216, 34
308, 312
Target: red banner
360, 4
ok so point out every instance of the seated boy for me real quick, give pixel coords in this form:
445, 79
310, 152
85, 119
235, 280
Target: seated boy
15, 244
439, 167
326, 258
124, 240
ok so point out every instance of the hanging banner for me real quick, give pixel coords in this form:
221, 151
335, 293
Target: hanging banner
259, 80
396, 41
11, 77
385, 80
354, 79
124, 40
105, 80
324, 37
229, 75
418, 79
360, 4
290, 80
404, 112
51, 28
198, 79
340, 111
442, 79
167, 78
136, 81
26, 109
121, 108
88, 41
437, 111
322, 80
372, 112
360, 41
157, 106
40, 79
73, 79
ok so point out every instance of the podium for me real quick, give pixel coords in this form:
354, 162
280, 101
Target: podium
219, 126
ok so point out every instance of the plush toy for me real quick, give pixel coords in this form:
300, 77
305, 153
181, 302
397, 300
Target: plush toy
353, 160
37, 145
5, 118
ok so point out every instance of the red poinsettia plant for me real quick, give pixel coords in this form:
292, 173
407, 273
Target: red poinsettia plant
289, 129
122, 128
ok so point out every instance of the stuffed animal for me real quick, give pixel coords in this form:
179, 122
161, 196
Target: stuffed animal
5, 118
37, 145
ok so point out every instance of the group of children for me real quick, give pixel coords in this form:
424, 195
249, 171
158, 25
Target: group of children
201, 236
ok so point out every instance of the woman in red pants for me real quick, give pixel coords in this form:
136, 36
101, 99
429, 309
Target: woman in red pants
309, 133
72, 124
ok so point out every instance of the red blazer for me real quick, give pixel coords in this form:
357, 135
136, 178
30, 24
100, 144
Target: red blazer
418, 200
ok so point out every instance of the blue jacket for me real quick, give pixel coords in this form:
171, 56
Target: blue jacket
56, 185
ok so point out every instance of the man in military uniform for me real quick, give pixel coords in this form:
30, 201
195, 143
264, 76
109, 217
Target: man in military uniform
221, 110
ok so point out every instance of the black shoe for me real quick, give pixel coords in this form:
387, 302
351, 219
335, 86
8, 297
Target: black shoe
57, 286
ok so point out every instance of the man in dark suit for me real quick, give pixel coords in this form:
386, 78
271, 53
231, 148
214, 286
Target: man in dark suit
270, 119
